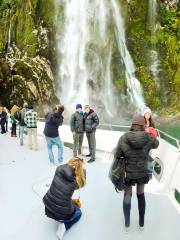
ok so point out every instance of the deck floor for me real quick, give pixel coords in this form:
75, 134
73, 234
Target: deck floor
23, 178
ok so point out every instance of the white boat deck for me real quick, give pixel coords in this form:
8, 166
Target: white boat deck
24, 175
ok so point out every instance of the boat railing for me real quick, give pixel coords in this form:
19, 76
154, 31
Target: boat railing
123, 128
167, 137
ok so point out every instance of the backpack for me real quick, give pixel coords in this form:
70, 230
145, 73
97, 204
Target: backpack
117, 172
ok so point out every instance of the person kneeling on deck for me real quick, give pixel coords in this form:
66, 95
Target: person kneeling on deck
91, 121
58, 200
134, 146
77, 128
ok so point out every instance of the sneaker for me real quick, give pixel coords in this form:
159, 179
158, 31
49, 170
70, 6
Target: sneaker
141, 228
59, 163
61, 230
126, 229
88, 155
91, 160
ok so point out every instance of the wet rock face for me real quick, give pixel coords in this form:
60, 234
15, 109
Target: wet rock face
33, 77
27, 80
27, 53
5, 85
170, 3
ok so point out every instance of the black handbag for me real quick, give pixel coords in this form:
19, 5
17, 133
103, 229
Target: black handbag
117, 172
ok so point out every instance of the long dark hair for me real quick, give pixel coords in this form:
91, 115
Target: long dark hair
60, 108
150, 121
136, 127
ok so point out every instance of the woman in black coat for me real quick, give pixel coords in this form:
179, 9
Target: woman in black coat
135, 146
58, 200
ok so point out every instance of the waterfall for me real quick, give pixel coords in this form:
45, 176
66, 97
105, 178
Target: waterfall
85, 54
133, 85
152, 16
155, 63
72, 48
9, 30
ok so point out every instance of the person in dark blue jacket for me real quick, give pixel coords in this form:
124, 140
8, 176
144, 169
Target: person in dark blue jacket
3, 116
53, 120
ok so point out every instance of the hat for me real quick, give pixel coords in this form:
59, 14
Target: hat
86, 106
147, 110
138, 120
25, 105
78, 106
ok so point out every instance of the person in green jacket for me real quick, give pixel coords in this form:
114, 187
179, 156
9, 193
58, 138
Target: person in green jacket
77, 128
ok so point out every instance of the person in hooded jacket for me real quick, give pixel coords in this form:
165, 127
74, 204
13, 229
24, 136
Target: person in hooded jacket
7, 118
58, 200
22, 125
53, 120
150, 128
91, 121
134, 146
77, 128
3, 116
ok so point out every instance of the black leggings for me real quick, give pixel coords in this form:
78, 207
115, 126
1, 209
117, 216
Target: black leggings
127, 204
3, 130
13, 130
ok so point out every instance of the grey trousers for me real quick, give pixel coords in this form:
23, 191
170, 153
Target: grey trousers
32, 133
92, 144
78, 140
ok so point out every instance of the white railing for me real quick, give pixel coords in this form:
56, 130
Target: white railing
170, 139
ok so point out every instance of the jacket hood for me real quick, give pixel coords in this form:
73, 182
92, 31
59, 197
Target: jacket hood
137, 139
52, 115
66, 172
91, 111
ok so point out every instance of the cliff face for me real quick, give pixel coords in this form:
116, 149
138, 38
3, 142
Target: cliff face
27, 51
164, 40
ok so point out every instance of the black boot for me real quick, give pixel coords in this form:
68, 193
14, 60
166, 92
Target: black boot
91, 160
88, 155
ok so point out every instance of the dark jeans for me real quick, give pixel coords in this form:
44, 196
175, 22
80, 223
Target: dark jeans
75, 218
127, 204
3, 130
13, 130
92, 144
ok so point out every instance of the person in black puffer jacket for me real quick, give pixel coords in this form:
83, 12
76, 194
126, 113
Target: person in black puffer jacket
135, 146
58, 200
52, 122
91, 121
